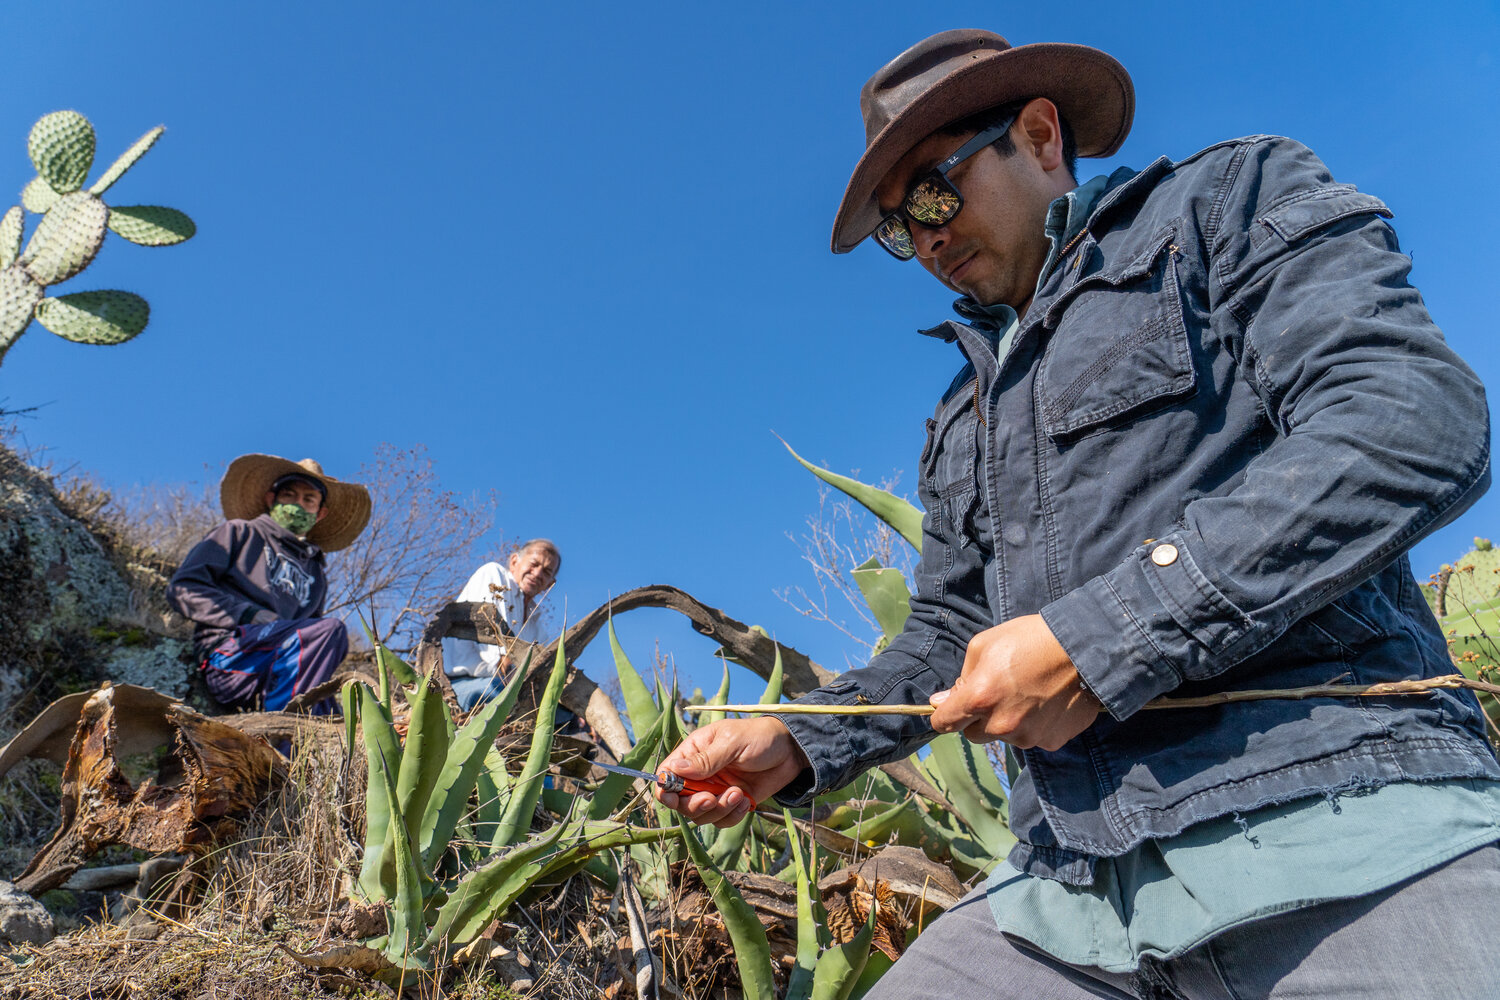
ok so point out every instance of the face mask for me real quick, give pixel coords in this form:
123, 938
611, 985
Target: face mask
293, 518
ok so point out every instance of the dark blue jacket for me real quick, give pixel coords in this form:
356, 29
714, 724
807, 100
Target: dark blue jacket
1222, 423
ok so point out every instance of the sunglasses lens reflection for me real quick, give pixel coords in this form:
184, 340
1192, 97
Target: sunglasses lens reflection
932, 201
895, 237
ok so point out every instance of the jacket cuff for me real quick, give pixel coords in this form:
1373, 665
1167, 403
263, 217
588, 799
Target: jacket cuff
1144, 627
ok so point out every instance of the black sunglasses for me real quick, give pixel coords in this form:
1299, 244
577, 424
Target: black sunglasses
932, 201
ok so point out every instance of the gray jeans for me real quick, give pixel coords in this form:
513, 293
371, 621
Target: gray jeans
1427, 938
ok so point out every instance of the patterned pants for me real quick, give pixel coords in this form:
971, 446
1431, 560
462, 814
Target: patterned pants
266, 666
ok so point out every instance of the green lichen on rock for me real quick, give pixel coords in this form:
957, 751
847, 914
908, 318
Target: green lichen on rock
70, 234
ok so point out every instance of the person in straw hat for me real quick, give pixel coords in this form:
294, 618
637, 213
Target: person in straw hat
1201, 418
256, 586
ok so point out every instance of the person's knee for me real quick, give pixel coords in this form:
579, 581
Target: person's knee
328, 631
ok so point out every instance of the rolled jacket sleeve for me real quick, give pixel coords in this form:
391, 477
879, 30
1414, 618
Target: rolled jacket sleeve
1381, 435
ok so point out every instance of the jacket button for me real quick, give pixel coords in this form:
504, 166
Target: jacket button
1164, 554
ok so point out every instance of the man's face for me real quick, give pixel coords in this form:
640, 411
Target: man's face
994, 248
535, 570
303, 494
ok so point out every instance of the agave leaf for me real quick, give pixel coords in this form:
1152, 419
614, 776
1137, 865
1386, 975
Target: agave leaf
349, 702
638, 704
885, 591
799, 984
102, 317
423, 758
467, 751
721, 697
482, 895
772, 693
10, 235
67, 238
517, 817
894, 511
402, 945
493, 784
61, 146
151, 225
967, 781
839, 967
398, 668
126, 161
594, 840
728, 849
19, 295
38, 196
614, 787
752, 952
377, 875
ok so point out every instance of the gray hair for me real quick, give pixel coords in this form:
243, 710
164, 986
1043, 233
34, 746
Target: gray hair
546, 545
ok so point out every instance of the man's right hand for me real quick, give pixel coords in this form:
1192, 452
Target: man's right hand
263, 617
758, 756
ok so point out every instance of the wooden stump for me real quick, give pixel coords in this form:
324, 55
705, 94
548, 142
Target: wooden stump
215, 777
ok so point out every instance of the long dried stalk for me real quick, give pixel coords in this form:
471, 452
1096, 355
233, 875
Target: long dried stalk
1386, 689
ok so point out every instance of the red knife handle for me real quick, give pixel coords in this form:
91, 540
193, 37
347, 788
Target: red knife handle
714, 785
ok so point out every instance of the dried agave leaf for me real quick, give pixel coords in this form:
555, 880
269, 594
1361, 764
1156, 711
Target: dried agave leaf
38, 195
61, 146
151, 225
102, 317
67, 238
848, 906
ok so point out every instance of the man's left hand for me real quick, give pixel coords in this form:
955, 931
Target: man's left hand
1017, 685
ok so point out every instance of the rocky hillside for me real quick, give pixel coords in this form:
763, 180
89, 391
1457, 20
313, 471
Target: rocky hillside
77, 604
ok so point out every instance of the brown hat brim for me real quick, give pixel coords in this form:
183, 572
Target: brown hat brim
242, 494
1090, 88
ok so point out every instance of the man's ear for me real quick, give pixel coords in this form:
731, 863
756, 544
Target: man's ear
321, 512
1043, 135
270, 500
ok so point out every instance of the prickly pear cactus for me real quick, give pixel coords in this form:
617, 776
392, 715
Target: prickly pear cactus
72, 229
1468, 582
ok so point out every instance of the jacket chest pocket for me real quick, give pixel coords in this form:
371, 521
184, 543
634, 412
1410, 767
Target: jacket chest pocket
950, 467
1118, 348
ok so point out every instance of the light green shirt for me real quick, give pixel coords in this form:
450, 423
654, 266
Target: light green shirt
1166, 897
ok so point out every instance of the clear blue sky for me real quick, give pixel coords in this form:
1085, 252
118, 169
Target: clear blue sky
580, 250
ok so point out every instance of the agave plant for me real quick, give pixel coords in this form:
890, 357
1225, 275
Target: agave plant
74, 221
419, 795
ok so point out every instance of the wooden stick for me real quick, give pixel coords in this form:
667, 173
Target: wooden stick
1386, 689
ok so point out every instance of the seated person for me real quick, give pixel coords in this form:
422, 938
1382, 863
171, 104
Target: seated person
478, 671
256, 585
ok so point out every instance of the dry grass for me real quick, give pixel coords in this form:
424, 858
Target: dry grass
284, 885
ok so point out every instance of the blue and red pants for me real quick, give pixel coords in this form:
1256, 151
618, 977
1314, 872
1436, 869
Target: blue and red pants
266, 666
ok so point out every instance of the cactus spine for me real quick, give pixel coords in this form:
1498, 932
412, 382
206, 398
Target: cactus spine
74, 222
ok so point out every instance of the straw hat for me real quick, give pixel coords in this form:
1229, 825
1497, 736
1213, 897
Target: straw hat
955, 74
242, 494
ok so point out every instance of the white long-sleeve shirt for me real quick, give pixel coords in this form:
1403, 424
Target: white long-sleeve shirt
491, 582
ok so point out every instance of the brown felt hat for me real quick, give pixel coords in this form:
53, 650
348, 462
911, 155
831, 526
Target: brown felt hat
954, 74
242, 494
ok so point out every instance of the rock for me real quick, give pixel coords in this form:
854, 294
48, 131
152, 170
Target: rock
22, 919
63, 599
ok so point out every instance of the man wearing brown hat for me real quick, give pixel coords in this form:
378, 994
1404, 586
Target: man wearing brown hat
1201, 419
256, 586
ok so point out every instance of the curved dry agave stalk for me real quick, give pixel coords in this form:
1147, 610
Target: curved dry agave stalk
74, 220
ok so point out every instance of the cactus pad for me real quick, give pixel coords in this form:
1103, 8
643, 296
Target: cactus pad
127, 160
62, 149
1475, 579
151, 225
38, 196
10, 235
104, 317
19, 295
67, 239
